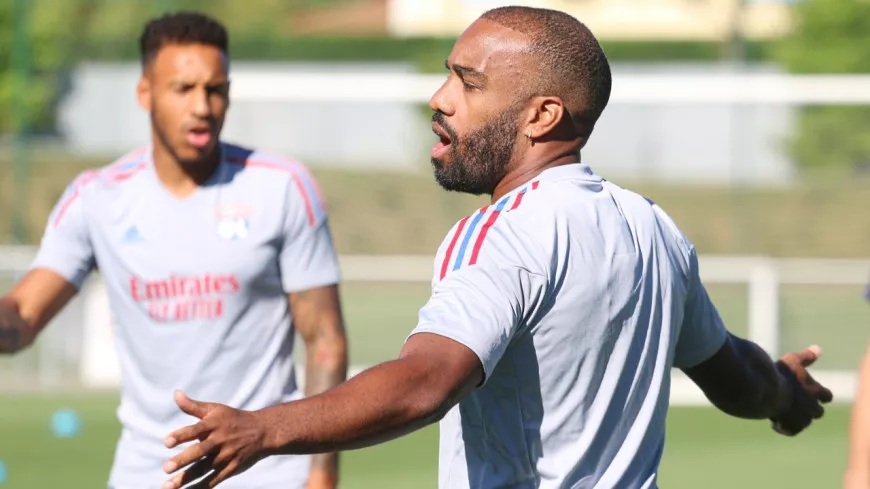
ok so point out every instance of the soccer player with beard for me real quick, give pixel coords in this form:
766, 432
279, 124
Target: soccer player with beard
212, 255
557, 312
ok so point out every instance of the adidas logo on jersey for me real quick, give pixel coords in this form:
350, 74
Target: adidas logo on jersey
132, 235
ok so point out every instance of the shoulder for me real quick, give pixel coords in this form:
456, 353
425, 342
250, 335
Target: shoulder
270, 170
502, 233
126, 167
268, 165
670, 228
122, 169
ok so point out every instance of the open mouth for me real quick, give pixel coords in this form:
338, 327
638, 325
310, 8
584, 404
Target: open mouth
441, 146
199, 137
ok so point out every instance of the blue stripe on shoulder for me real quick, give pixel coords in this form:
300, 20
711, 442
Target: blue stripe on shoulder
467, 238
302, 174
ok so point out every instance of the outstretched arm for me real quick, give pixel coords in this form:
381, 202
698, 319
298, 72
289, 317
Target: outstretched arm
31, 304
858, 470
737, 375
64, 260
462, 333
742, 380
432, 374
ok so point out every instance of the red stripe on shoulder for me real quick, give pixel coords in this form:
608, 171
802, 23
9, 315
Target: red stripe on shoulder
452, 245
254, 163
478, 244
482, 236
83, 180
521, 195
518, 201
302, 168
309, 205
124, 175
117, 173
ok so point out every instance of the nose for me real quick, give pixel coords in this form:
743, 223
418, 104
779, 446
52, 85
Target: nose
440, 102
201, 107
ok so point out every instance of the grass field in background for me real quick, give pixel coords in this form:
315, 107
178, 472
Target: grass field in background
705, 449
380, 316
389, 212
408, 213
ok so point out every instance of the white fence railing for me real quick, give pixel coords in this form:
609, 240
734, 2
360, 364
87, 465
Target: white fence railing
762, 277
628, 88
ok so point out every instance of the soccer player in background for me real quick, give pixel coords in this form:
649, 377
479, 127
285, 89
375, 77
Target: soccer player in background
212, 255
858, 468
557, 312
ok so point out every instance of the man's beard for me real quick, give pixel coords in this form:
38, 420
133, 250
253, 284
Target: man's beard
478, 161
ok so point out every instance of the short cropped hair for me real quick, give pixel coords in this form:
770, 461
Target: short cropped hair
573, 64
181, 28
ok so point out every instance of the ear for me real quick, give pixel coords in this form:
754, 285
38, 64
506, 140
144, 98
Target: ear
143, 93
545, 114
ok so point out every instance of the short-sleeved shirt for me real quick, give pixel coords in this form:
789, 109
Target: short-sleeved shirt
578, 297
198, 292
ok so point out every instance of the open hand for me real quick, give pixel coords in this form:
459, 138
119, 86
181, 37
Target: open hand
230, 442
805, 397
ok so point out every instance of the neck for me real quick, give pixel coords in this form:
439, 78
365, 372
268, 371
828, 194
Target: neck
526, 172
179, 178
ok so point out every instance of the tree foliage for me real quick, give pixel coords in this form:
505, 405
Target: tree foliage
831, 36
57, 33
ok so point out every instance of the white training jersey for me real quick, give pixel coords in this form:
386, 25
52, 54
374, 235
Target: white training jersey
578, 297
198, 292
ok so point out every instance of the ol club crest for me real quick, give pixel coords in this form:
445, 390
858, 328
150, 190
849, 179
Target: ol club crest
233, 221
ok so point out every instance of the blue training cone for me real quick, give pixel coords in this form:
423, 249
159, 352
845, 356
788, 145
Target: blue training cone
65, 423
2, 472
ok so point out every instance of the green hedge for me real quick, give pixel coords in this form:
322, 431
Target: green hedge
427, 53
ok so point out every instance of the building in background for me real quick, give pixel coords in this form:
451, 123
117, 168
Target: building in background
611, 20
651, 140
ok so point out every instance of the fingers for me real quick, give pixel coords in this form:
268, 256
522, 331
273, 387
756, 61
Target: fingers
191, 407
219, 475
809, 356
193, 473
819, 392
224, 474
190, 455
779, 428
823, 394
186, 434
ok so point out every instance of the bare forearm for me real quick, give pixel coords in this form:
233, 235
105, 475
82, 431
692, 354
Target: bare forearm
382, 403
756, 390
859, 433
325, 365
325, 368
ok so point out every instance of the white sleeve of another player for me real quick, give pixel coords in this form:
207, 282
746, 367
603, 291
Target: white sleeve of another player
703, 332
307, 257
483, 306
66, 247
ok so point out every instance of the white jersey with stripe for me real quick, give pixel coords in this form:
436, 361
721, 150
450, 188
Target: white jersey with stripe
578, 297
198, 292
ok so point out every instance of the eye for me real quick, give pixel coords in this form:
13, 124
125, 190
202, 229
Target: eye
468, 86
220, 90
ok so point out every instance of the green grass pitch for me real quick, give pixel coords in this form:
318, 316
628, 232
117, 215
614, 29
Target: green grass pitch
705, 449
